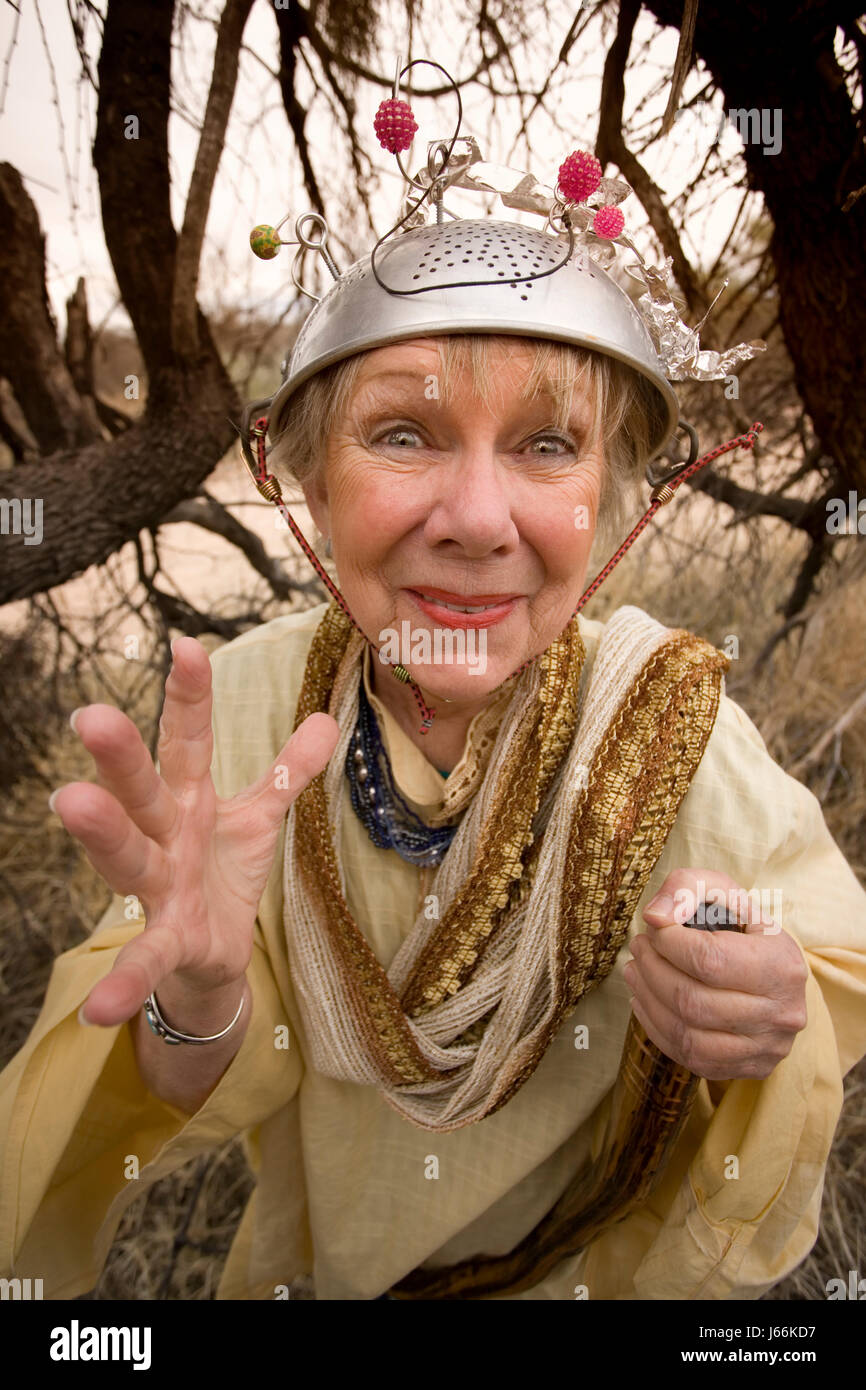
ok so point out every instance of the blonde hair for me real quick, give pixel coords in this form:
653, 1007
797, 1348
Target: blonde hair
628, 412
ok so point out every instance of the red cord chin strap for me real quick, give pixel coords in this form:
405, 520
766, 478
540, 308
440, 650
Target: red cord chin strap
270, 488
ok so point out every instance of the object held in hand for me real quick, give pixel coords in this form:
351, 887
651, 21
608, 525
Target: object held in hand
715, 917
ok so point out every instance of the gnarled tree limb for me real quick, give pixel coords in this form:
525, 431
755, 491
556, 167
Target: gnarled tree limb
94, 499
184, 309
818, 242
610, 148
30, 356
211, 515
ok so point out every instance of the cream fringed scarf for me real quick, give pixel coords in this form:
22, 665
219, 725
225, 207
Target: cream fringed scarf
537, 889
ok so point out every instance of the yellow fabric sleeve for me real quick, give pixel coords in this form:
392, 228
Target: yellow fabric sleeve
746, 1210
74, 1114
73, 1107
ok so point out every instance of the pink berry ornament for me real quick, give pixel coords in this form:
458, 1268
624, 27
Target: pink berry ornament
579, 176
265, 241
395, 125
608, 222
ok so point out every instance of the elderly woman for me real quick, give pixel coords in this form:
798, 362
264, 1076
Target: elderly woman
401, 954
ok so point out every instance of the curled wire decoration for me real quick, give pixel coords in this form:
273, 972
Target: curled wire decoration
252, 411
306, 242
432, 183
413, 182
321, 245
296, 265
437, 176
557, 219
410, 178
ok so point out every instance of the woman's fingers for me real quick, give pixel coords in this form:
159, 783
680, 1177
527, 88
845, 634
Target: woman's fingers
129, 862
695, 1003
126, 768
715, 1055
300, 760
141, 966
185, 747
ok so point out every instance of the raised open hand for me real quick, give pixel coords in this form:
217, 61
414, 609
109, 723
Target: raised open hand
197, 864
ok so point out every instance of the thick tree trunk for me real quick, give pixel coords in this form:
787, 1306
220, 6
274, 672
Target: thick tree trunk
130, 153
30, 358
94, 500
781, 60
91, 501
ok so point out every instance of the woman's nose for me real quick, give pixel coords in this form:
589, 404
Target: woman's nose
473, 502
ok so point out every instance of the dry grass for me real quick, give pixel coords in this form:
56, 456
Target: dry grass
173, 1242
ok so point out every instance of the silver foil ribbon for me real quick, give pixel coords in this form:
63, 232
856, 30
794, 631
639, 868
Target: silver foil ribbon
678, 346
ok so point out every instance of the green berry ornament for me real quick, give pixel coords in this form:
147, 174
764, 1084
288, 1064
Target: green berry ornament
265, 241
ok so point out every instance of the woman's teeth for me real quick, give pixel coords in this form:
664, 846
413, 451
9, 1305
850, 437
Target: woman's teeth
458, 607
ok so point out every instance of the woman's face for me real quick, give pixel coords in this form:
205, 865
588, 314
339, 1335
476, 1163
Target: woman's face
444, 496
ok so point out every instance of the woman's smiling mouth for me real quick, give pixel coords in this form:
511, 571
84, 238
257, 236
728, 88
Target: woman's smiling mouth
464, 610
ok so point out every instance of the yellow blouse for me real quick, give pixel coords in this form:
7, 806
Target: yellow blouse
346, 1188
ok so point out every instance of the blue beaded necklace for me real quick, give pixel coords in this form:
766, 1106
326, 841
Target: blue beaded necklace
389, 822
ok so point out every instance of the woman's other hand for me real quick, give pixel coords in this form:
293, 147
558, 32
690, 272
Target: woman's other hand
197, 864
725, 1004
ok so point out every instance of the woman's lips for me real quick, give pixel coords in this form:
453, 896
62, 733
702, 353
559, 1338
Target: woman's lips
449, 617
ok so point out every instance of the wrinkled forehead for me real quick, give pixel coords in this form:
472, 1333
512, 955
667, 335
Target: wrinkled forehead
458, 350
490, 368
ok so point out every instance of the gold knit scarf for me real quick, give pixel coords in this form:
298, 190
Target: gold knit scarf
600, 823
536, 892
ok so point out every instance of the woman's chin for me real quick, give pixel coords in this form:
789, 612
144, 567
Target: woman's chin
461, 684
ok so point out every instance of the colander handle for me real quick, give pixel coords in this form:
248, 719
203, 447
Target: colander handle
678, 467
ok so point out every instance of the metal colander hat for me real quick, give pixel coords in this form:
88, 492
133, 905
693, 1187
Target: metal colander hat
494, 276
456, 277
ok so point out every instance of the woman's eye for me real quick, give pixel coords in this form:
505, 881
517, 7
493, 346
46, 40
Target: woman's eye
551, 445
401, 438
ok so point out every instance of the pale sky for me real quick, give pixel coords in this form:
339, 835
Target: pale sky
259, 180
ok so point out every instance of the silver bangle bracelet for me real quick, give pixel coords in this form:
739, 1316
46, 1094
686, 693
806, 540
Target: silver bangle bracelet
168, 1034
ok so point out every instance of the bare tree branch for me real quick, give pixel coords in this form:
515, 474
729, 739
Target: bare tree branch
837, 728
746, 503
323, 50
610, 148
184, 308
682, 63
207, 512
